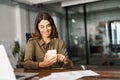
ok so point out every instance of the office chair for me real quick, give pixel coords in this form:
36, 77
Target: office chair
28, 35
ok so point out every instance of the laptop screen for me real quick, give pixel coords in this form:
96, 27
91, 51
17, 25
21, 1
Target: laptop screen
6, 70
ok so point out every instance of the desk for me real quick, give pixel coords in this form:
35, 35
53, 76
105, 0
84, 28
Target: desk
106, 72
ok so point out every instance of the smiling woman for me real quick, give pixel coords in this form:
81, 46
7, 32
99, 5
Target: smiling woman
44, 40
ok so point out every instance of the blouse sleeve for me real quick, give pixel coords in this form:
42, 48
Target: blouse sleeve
29, 62
63, 50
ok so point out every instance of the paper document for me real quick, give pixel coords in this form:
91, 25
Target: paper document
70, 75
46, 78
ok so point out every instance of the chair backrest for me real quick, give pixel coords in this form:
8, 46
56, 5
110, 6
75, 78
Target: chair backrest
28, 35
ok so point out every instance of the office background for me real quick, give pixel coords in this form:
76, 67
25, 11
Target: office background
17, 19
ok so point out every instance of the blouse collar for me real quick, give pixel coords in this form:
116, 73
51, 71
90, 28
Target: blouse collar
41, 41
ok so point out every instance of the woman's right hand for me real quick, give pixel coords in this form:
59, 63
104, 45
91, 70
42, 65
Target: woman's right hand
48, 61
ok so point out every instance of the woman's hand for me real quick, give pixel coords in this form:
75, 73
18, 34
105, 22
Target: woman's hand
48, 61
61, 58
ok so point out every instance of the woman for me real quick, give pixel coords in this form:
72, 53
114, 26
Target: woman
44, 38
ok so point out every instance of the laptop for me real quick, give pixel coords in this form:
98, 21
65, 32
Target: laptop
6, 70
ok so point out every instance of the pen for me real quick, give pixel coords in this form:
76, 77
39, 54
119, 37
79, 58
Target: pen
83, 67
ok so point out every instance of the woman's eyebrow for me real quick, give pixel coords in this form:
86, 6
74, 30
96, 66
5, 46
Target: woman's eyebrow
40, 25
48, 24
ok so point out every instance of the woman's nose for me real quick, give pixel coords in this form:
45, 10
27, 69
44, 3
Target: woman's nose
46, 28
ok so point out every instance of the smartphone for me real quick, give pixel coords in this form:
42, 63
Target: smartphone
51, 53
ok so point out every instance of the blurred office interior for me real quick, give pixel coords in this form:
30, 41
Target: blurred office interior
90, 28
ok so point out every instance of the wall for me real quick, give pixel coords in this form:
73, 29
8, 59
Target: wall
14, 25
7, 26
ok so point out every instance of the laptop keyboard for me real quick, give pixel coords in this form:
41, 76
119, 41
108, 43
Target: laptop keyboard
18, 76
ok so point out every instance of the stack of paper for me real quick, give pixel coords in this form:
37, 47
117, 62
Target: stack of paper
70, 75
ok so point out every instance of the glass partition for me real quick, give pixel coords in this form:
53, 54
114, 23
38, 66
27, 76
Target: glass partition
103, 31
77, 35
103, 26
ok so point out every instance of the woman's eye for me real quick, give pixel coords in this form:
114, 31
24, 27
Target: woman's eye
49, 25
41, 26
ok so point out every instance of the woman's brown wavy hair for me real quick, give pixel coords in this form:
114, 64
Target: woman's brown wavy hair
44, 16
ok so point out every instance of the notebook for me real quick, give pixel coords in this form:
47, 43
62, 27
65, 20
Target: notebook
6, 70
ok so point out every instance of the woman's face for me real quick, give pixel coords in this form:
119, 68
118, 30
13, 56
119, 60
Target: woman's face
45, 28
